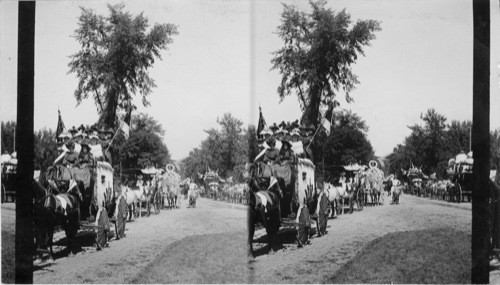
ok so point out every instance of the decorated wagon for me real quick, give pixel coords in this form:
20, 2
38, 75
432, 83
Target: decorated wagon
460, 174
171, 187
343, 184
9, 170
96, 185
212, 182
285, 195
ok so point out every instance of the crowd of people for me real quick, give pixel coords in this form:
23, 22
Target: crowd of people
283, 143
84, 146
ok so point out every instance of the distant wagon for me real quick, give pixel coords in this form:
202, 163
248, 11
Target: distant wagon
460, 174
9, 170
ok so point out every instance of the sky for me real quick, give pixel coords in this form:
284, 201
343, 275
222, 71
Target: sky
221, 62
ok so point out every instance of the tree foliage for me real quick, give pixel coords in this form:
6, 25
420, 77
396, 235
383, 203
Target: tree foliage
8, 134
225, 149
116, 53
431, 145
144, 147
45, 151
319, 49
347, 142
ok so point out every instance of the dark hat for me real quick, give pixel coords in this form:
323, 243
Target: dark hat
295, 124
286, 142
85, 143
73, 130
274, 127
282, 124
81, 128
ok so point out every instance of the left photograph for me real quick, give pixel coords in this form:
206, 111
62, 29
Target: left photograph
141, 136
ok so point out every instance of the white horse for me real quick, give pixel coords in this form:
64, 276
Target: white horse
337, 194
192, 194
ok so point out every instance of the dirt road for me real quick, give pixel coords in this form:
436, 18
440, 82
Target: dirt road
348, 235
147, 242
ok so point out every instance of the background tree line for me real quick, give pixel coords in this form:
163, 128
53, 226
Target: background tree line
143, 148
434, 142
225, 149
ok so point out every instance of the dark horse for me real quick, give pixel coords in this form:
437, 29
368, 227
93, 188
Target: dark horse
266, 211
48, 213
265, 205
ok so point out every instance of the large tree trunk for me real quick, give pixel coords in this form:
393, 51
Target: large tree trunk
107, 117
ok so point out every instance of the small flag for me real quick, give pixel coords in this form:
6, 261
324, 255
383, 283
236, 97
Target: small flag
125, 125
326, 124
60, 125
262, 123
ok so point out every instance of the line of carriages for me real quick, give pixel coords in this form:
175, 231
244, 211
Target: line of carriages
287, 195
94, 197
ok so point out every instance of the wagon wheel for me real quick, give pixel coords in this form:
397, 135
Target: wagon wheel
121, 218
157, 202
322, 215
102, 230
304, 226
360, 199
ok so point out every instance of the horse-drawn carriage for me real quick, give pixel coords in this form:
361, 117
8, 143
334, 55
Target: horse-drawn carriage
286, 195
460, 174
171, 187
9, 169
141, 187
415, 176
75, 198
212, 180
344, 185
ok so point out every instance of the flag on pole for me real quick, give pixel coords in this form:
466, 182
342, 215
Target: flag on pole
326, 124
262, 123
125, 125
60, 125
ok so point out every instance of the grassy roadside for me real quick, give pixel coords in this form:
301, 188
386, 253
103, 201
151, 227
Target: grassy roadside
428, 256
214, 258
8, 244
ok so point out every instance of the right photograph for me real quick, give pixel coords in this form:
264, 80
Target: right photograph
362, 170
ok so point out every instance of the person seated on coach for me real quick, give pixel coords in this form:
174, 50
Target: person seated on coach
272, 154
286, 153
85, 157
71, 157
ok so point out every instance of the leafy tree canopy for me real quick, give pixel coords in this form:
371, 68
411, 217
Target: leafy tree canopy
8, 134
318, 52
116, 53
431, 145
225, 149
144, 147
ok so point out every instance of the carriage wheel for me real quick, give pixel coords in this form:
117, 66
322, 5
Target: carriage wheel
121, 218
102, 230
360, 199
157, 202
322, 215
304, 227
